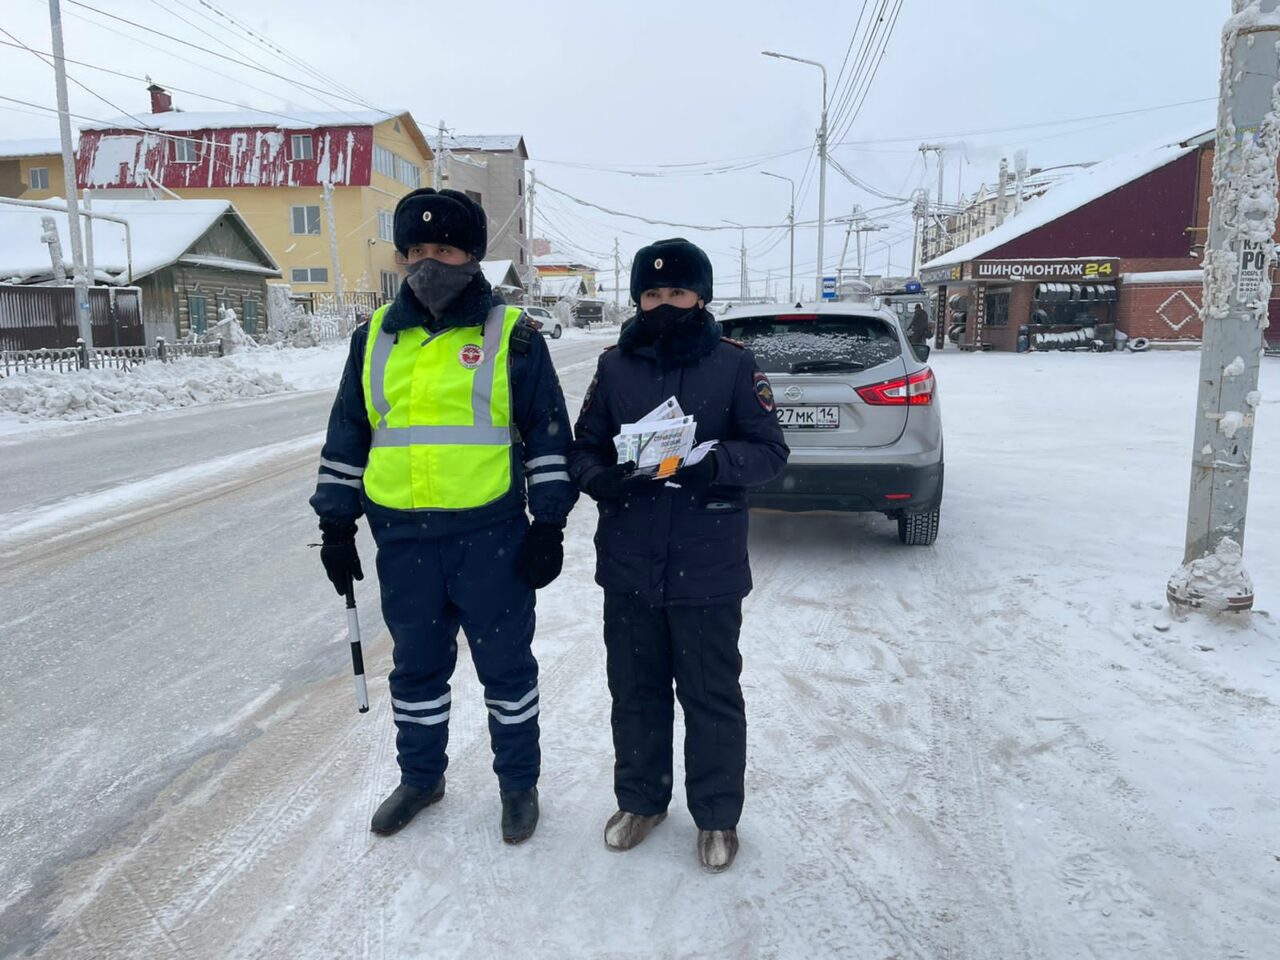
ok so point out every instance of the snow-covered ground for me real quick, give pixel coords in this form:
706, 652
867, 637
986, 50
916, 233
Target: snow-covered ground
999, 747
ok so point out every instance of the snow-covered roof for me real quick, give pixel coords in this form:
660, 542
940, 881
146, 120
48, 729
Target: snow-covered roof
162, 231
1071, 194
1164, 276
562, 286
501, 273
181, 120
491, 143
560, 260
30, 148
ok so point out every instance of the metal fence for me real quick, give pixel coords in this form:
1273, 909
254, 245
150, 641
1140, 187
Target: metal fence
32, 318
66, 359
362, 301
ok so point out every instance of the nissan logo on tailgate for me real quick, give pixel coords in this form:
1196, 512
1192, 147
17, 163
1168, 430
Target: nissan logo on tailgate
793, 393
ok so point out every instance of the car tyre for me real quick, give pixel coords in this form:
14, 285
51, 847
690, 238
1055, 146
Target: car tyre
555, 332
919, 529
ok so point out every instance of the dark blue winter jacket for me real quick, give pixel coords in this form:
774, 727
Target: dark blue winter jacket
668, 545
539, 413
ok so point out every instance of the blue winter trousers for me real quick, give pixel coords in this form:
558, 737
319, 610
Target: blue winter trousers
430, 588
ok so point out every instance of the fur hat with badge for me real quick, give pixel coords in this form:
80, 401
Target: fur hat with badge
671, 263
441, 216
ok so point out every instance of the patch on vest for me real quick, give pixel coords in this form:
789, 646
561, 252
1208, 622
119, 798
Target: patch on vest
471, 356
591, 393
764, 391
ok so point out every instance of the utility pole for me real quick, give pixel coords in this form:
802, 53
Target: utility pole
791, 224
535, 278
84, 322
822, 162
439, 174
617, 271
326, 191
1237, 287
744, 290
88, 237
919, 212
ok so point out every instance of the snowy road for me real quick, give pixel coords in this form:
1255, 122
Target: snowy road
999, 747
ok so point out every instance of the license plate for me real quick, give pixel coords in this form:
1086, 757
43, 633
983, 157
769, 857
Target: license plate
809, 418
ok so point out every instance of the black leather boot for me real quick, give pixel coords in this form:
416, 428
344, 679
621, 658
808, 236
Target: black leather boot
519, 814
402, 806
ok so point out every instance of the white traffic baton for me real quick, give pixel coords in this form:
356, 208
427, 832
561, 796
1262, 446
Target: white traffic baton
357, 654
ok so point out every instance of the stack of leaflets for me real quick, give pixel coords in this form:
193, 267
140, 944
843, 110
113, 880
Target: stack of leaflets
661, 441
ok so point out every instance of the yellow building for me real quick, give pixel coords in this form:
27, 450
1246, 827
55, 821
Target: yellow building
31, 169
276, 169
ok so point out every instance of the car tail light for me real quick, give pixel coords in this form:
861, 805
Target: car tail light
914, 390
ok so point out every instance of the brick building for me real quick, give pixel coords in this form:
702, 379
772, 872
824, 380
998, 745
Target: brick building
1118, 244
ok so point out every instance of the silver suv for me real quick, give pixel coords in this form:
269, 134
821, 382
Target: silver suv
859, 407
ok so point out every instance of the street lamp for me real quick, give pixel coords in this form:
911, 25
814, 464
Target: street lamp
822, 158
791, 219
742, 282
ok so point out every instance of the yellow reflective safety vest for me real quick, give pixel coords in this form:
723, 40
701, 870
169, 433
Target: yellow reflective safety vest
440, 408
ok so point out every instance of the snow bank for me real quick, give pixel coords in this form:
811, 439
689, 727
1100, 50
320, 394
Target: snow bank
1214, 579
92, 394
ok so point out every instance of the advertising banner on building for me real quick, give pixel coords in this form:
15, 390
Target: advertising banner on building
1096, 269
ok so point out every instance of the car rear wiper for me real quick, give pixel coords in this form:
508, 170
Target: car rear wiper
810, 366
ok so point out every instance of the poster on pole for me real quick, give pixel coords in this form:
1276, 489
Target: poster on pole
1253, 267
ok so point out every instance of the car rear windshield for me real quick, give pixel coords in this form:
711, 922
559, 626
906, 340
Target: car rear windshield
811, 343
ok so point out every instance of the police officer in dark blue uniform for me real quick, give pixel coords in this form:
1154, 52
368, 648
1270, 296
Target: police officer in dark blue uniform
673, 559
450, 412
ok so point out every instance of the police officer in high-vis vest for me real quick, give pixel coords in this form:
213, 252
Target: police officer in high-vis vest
448, 412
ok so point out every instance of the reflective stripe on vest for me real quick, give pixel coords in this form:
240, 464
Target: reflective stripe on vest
440, 408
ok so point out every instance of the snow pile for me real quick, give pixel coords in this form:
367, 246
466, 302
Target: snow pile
230, 332
1215, 579
92, 394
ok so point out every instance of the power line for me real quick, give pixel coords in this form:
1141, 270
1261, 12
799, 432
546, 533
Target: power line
41, 57
128, 76
871, 75
213, 53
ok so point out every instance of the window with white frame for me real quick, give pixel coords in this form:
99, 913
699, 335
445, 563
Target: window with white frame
386, 226
184, 151
408, 173
306, 220
309, 275
384, 161
390, 284
300, 147
38, 178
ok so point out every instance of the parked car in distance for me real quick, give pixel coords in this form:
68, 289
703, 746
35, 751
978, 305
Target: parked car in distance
586, 311
543, 321
859, 407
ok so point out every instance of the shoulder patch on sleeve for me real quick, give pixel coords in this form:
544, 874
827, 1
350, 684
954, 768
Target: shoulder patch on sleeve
590, 394
522, 336
737, 343
764, 391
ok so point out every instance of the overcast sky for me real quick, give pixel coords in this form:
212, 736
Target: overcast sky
669, 82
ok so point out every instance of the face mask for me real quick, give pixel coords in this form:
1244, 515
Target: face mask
668, 318
436, 284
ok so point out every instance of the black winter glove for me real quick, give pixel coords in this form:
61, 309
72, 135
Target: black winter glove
697, 477
611, 482
339, 556
541, 554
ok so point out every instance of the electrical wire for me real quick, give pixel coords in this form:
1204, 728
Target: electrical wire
213, 53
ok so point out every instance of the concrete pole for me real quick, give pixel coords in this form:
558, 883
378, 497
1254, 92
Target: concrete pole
1237, 287
744, 291
339, 293
822, 182
88, 237
84, 322
617, 272
535, 277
